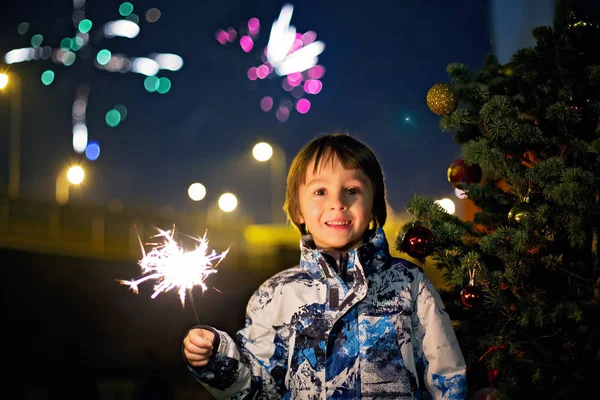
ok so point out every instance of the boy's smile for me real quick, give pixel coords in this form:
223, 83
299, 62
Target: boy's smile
336, 205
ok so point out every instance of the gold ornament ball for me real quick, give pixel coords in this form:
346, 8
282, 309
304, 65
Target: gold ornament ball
441, 99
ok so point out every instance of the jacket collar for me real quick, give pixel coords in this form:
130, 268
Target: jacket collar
374, 245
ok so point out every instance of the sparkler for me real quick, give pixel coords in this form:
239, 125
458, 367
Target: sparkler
172, 267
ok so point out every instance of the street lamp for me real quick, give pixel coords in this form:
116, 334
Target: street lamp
74, 176
13, 81
264, 152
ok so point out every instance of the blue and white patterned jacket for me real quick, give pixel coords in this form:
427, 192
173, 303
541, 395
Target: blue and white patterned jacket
381, 333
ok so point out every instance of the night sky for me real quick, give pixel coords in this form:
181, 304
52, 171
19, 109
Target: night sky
381, 58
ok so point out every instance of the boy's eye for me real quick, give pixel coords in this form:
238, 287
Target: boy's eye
353, 190
319, 192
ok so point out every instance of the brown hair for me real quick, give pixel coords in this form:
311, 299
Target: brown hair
352, 154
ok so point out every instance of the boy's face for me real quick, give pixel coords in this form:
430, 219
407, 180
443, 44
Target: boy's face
336, 205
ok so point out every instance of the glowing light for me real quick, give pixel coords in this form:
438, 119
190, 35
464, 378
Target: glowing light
133, 18
196, 191
282, 114
92, 151
22, 28
266, 103
164, 85
3, 81
253, 26
122, 27
316, 72
122, 111
85, 25
103, 57
171, 267
313, 86
37, 40
222, 36
113, 118
303, 106
19, 55
262, 151
227, 202
47, 77
171, 62
262, 71
75, 175
80, 137
252, 73
447, 205
125, 9
68, 58
246, 43
151, 83
145, 66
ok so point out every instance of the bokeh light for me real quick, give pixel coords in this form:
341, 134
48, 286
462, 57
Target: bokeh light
262, 151
153, 15
282, 114
303, 106
133, 18
447, 205
75, 175
22, 28
3, 81
253, 26
85, 25
266, 103
151, 83
36, 40
164, 85
313, 86
228, 202
125, 9
103, 57
47, 77
92, 151
246, 43
80, 137
113, 118
196, 191
122, 110
252, 73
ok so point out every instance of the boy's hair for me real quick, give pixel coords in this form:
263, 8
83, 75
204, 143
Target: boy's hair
352, 154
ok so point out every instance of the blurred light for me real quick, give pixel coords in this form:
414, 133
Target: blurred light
262, 151
313, 86
22, 28
151, 83
262, 71
113, 117
68, 58
75, 175
37, 40
266, 103
125, 9
231, 35
461, 194
122, 111
447, 205
253, 26
47, 77
133, 18
85, 26
309, 37
252, 73
164, 85
228, 202
115, 206
246, 43
79, 107
19, 55
222, 36
121, 28
298, 92
145, 66
3, 80
316, 72
76, 43
303, 106
103, 57
80, 137
77, 17
171, 62
282, 36
78, 3
65, 44
153, 15
92, 151
282, 114
196, 191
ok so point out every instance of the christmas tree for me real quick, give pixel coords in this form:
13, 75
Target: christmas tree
524, 275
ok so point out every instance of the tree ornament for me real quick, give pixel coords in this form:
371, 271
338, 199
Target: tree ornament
441, 99
418, 242
520, 213
460, 174
471, 296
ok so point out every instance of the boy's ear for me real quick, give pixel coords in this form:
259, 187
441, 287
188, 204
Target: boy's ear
300, 219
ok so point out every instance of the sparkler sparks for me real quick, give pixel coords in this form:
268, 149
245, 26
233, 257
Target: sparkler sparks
174, 268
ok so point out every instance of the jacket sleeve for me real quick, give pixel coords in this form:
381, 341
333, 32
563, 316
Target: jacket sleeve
437, 352
255, 364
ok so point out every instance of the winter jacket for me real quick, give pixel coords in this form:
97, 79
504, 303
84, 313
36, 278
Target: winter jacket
382, 332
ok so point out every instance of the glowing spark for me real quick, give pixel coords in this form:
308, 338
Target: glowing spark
174, 268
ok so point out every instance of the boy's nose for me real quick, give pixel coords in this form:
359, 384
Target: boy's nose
338, 202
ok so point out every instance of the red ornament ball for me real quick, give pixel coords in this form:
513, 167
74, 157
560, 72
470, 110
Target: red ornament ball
471, 296
418, 242
460, 174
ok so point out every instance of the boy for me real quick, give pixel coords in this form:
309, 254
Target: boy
350, 322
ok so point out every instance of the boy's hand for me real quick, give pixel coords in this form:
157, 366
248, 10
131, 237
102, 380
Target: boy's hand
197, 346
